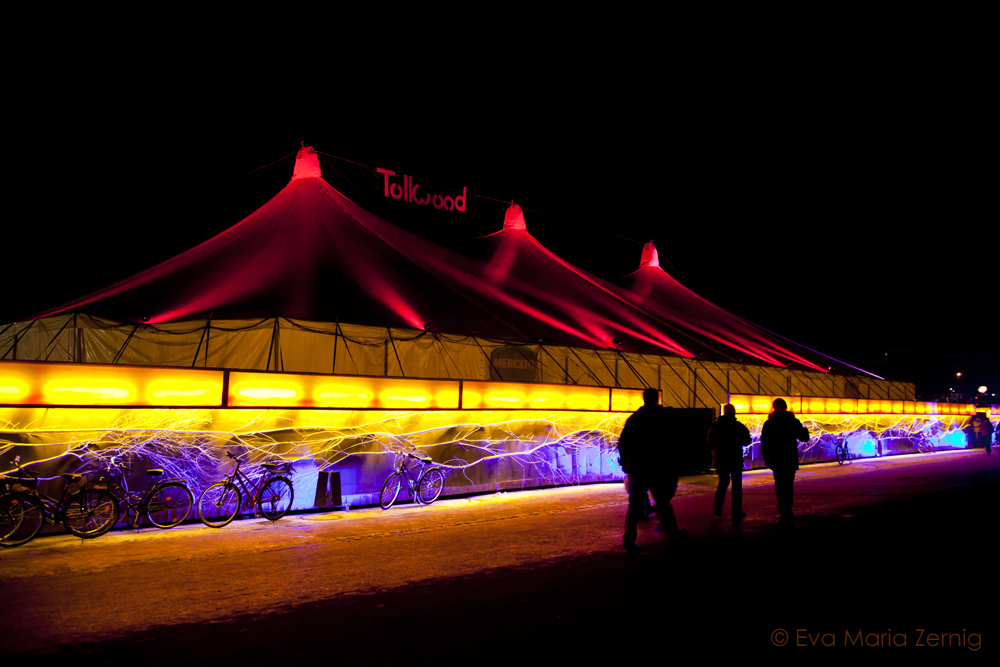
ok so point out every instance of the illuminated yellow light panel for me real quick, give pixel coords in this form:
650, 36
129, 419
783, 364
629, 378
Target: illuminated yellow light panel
23, 383
754, 404
320, 391
26, 383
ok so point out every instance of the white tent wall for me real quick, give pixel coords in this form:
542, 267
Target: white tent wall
308, 347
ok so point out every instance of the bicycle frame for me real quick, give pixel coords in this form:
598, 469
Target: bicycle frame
249, 491
136, 504
77, 509
429, 474
249, 487
411, 479
843, 452
53, 511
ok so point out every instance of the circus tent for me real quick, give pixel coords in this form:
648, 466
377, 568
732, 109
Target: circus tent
310, 282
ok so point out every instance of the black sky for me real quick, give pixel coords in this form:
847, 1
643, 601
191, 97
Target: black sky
848, 212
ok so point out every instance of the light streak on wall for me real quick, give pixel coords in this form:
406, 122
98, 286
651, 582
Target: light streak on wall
476, 448
867, 435
487, 435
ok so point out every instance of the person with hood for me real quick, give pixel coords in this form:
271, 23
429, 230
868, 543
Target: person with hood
779, 445
650, 460
727, 438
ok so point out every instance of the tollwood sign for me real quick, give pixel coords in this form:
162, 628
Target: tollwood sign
408, 193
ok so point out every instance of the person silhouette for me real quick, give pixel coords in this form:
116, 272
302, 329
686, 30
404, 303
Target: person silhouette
779, 445
727, 438
649, 457
980, 432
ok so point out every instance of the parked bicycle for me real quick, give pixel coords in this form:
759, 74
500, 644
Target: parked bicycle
165, 503
843, 452
271, 494
425, 487
87, 511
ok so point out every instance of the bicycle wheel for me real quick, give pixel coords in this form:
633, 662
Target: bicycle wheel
275, 498
21, 519
430, 485
390, 489
91, 513
219, 504
170, 504
840, 455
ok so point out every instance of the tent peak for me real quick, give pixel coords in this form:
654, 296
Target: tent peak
649, 256
514, 218
306, 164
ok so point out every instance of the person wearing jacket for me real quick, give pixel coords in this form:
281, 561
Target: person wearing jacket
648, 457
727, 438
780, 447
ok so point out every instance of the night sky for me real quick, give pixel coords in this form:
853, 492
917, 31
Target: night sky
846, 214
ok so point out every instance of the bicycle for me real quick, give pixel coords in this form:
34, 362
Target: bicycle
271, 494
425, 488
164, 503
843, 452
89, 511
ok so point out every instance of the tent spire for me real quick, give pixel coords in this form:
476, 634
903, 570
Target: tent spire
514, 218
306, 164
649, 256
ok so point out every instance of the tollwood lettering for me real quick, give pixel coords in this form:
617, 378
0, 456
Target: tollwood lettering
919, 637
408, 193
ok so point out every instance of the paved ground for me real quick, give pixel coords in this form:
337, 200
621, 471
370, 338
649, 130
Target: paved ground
897, 549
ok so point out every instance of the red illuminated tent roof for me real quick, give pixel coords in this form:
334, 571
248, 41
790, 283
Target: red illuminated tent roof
654, 291
311, 254
542, 293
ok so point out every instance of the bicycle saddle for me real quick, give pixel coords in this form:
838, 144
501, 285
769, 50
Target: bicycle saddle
155, 472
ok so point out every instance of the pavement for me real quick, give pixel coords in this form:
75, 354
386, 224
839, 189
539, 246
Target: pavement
522, 577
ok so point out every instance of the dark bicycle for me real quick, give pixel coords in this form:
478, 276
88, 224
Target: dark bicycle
843, 452
87, 511
271, 494
424, 487
165, 503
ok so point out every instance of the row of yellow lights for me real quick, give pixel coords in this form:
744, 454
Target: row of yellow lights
755, 404
76, 384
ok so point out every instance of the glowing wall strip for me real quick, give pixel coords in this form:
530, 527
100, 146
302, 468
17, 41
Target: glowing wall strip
819, 405
26, 383
315, 391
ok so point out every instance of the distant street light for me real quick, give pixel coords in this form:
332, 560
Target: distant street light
982, 389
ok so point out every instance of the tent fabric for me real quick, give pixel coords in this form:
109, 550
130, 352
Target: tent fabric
310, 263
653, 290
309, 253
278, 344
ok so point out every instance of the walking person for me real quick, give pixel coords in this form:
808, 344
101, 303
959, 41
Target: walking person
779, 445
980, 432
727, 438
649, 457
